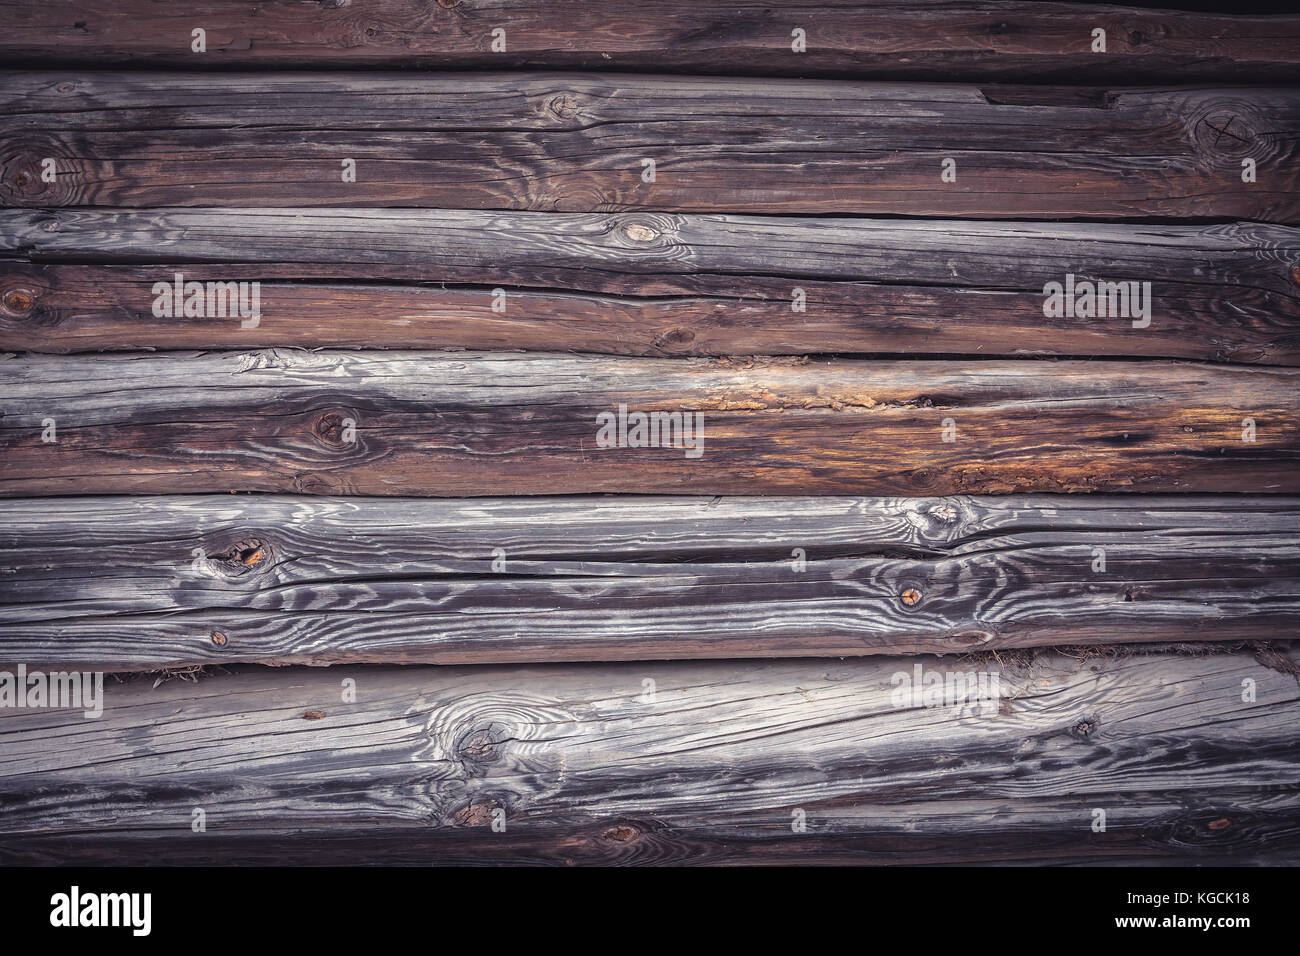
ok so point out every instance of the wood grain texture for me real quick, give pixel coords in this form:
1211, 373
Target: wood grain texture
141, 582
644, 284
917, 38
588, 769
578, 143
420, 423
1157, 830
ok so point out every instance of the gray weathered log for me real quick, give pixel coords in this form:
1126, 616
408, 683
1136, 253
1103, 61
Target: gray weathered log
450, 424
580, 143
644, 284
931, 39
140, 582
708, 763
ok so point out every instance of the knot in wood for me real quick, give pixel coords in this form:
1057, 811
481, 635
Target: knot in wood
330, 428
26, 169
621, 833
1085, 728
241, 557
910, 596
640, 233
19, 301
479, 745
563, 105
218, 639
473, 815
674, 338
1226, 131
944, 513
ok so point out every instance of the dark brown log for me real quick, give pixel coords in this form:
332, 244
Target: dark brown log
1171, 828
668, 762
915, 38
394, 423
139, 583
645, 284
580, 143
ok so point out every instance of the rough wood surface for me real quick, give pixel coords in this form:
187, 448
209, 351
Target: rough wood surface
419, 423
916, 38
648, 284
588, 766
633, 665
579, 143
1167, 829
138, 583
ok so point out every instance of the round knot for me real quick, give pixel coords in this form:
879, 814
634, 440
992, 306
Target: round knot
563, 105
333, 428
480, 745
19, 301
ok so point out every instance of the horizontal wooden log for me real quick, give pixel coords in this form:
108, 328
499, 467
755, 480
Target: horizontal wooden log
138, 583
668, 762
1158, 830
581, 143
917, 38
417, 423
644, 284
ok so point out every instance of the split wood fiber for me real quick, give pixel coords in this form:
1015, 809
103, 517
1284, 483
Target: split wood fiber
140, 583
691, 762
605, 142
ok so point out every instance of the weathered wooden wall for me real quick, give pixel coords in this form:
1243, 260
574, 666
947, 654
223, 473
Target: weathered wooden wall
631, 677
706, 764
